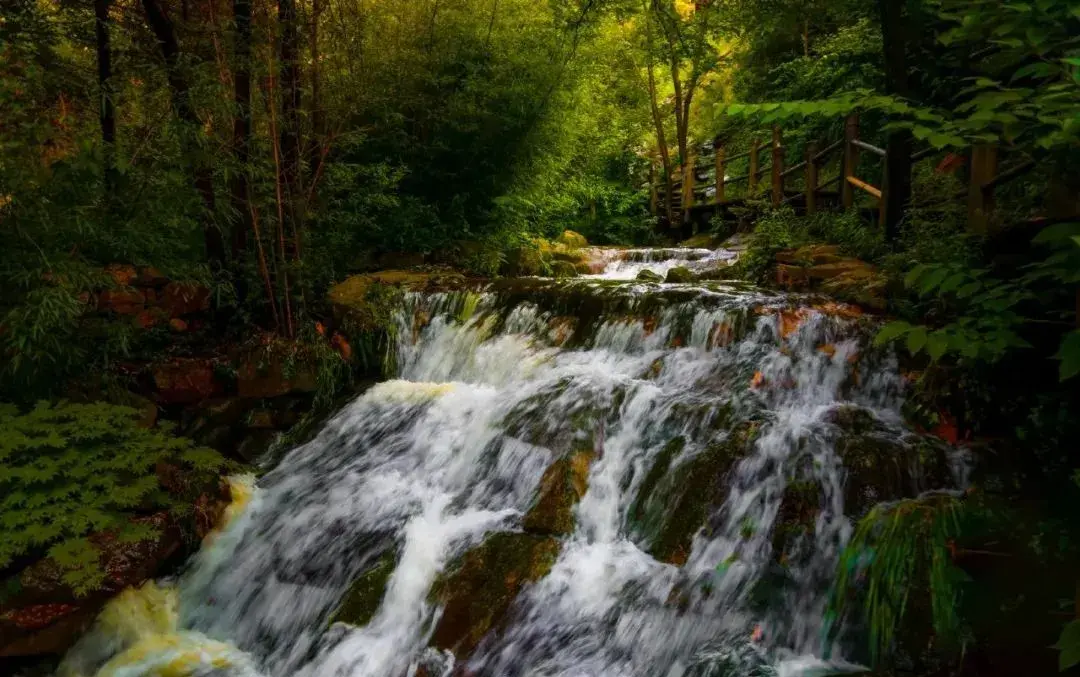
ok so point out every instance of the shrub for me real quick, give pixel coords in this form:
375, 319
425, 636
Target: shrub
68, 471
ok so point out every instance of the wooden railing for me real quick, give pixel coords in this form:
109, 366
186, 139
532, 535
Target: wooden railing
983, 177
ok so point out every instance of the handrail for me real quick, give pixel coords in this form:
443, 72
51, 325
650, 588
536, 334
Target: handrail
793, 168
870, 147
1009, 175
859, 183
924, 153
828, 149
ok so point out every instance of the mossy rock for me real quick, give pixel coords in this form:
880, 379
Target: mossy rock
562, 486
524, 261
880, 468
680, 275
649, 276
563, 269
366, 593
796, 517
479, 588
572, 239
687, 494
366, 302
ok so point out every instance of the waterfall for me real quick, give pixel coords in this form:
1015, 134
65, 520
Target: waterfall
705, 424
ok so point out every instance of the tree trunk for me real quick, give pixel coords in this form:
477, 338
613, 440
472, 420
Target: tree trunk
202, 178
318, 131
896, 191
290, 121
658, 122
107, 111
238, 188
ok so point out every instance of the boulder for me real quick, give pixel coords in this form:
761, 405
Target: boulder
479, 588
572, 239
367, 302
563, 269
679, 275
881, 466
647, 275
366, 593
122, 301
184, 380
523, 261
562, 486
184, 298
268, 373
122, 274
821, 267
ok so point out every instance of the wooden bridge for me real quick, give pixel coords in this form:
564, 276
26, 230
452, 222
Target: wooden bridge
695, 198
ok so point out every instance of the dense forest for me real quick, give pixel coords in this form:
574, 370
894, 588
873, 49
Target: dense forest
183, 183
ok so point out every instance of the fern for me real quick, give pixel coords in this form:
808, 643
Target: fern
68, 471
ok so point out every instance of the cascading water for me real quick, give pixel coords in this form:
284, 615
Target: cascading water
701, 414
625, 264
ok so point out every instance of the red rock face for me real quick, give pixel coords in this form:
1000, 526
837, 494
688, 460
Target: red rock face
184, 381
122, 301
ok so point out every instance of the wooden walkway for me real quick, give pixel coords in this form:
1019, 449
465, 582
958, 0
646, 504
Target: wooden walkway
826, 183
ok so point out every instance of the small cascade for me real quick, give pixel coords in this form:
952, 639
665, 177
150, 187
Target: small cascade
581, 478
626, 264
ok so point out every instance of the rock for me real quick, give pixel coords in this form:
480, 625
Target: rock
261, 419
572, 239
480, 587
562, 486
122, 301
796, 517
701, 241
268, 375
649, 276
679, 275
523, 261
367, 302
122, 275
184, 380
810, 255
686, 495
879, 466
366, 593
151, 277
563, 269
177, 325
181, 298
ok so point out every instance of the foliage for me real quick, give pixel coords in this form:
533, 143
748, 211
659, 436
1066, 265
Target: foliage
898, 552
986, 313
69, 471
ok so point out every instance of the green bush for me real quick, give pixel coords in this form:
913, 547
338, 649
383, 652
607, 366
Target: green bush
68, 471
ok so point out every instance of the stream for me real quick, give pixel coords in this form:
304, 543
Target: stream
705, 439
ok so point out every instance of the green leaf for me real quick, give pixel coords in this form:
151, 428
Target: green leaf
916, 339
1069, 646
936, 344
891, 332
914, 274
1057, 232
932, 279
1069, 354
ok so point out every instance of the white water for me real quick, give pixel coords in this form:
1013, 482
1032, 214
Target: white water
626, 264
427, 464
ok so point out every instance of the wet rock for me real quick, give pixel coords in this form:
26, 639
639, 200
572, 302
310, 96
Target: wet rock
562, 486
796, 517
366, 593
254, 444
649, 276
480, 587
572, 239
680, 275
184, 380
688, 493
879, 466
821, 267
367, 302
526, 260
563, 269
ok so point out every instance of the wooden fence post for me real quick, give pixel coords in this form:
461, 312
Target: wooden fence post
754, 169
718, 147
811, 177
850, 162
983, 168
777, 166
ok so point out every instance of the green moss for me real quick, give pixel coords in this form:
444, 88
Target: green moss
366, 593
647, 275
562, 486
479, 588
656, 473
680, 275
